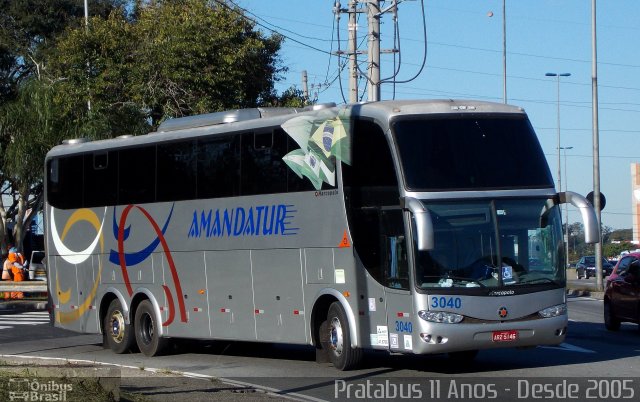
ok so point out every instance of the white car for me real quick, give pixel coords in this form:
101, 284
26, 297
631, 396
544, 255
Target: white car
37, 266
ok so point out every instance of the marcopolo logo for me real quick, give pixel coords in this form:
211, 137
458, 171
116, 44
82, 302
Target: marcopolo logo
261, 220
22, 389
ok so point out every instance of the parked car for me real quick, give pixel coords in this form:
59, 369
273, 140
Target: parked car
37, 267
623, 264
586, 267
622, 295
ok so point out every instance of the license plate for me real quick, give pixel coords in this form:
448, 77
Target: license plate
505, 336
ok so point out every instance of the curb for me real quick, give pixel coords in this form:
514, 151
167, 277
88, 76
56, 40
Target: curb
585, 293
24, 305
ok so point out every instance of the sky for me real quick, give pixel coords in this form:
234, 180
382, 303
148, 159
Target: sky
464, 61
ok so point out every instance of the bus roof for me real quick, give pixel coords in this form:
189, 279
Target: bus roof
256, 118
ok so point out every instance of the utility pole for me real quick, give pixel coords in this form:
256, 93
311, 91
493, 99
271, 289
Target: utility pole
596, 145
374, 13
353, 52
373, 18
305, 85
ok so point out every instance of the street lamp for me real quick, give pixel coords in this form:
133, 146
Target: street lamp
566, 206
558, 75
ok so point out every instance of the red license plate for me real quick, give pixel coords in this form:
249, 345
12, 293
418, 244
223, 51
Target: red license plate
505, 336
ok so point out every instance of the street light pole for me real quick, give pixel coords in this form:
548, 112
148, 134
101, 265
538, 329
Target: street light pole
558, 75
566, 206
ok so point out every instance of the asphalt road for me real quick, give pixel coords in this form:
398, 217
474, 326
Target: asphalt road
589, 353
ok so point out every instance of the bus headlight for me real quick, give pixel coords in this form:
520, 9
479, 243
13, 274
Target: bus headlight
440, 317
554, 311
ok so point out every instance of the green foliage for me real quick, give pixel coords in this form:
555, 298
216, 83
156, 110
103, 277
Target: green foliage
29, 29
177, 58
614, 249
134, 66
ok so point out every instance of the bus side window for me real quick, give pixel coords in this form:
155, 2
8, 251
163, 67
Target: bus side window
65, 182
101, 179
136, 180
263, 170
218, 167
176, 172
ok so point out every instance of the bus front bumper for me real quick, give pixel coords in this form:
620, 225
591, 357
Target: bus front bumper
444, 338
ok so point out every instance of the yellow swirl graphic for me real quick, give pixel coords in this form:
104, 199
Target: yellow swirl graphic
81, 215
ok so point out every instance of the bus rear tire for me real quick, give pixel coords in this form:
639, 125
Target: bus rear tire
146, 329
341, 354
118, 335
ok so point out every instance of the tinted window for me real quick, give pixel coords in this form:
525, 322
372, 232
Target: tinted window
294, 182
371, 178
176, 175
136, 176
470, 152
218, 167
101, 179
370, 183
624, 265
263, 170
65, 180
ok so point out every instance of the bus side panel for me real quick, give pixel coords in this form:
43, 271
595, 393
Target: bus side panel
372, 314
277, 285
319, 265
230, 294
191, 280
88, 282
65, 297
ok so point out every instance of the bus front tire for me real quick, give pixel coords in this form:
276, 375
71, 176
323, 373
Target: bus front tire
118, 335
146, 329
341, 354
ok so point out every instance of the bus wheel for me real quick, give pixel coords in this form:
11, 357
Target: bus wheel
146, 327
341, 354
118, 335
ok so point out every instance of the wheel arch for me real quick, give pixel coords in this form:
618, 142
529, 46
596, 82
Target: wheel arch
141, 294
324, 299
109, 295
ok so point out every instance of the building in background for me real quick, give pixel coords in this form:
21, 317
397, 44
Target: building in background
635, 201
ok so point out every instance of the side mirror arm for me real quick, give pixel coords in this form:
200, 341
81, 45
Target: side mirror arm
424, 225
591, 227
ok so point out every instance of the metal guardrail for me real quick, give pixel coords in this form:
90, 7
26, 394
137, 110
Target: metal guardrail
25, 286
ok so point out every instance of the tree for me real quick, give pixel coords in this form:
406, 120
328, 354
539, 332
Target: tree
29, 28
177, 58
29, 126
163, 59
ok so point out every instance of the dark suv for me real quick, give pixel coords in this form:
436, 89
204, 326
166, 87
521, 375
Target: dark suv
586, 267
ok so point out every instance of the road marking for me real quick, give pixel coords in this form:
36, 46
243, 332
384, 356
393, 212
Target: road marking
569, 347
27, 318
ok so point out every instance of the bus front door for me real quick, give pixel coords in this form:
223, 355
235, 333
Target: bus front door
395, 265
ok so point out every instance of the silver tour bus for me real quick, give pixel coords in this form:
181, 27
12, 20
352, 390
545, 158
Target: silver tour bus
407, 226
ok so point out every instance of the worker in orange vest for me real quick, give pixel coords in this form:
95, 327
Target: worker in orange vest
13, 269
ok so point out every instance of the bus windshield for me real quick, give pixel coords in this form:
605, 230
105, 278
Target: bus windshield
491, 244
450, 152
